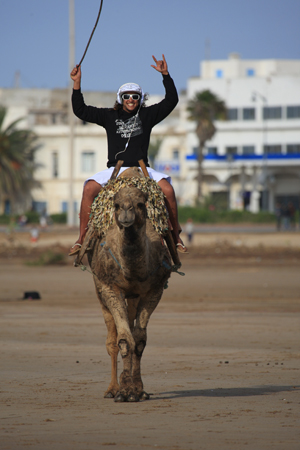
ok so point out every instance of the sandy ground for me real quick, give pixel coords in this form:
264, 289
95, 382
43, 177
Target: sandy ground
222, 360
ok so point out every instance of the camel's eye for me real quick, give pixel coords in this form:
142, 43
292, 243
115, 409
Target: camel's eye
140, 205
117, 206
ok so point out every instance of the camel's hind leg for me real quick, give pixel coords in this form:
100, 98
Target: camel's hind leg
113, 350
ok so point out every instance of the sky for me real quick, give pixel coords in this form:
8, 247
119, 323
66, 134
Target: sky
34, 36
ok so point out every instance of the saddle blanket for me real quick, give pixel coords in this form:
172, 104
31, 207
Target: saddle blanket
102, 210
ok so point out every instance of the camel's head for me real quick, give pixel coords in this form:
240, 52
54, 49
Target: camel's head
130, 207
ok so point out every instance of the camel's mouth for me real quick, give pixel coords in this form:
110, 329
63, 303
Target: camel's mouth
126, 224
126, 217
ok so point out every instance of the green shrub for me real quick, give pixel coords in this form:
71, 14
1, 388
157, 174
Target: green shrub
207, 215
59, 217
32, 217
4, 219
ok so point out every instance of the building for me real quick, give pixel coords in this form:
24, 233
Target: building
254, 158
252, 162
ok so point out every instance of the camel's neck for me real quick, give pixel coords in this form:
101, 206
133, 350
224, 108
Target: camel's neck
134, 252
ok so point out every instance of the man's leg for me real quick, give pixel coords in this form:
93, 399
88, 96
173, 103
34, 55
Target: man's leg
171, 203
90, 191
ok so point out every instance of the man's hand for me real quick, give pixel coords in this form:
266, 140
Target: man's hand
161, 66
76, 77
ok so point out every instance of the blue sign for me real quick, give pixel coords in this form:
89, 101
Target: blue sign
171, 168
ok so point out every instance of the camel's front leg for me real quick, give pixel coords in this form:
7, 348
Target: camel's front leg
112, 350
127, 392
115, 302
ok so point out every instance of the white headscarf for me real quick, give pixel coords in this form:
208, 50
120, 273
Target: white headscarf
130, 87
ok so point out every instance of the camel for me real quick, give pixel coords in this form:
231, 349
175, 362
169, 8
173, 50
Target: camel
131, 265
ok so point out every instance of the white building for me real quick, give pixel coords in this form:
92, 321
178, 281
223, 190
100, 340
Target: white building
255, 154
46, 113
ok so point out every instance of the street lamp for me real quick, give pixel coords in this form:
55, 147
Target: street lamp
71, 212
257, 95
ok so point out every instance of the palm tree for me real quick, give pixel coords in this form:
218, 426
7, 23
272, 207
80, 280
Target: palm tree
17, 165
204, 109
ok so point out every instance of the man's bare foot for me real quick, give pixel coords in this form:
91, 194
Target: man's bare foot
181, 247
75, 249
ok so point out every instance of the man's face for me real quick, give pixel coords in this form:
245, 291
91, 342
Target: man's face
129, 104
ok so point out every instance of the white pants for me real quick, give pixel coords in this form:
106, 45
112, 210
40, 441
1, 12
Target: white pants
103, 176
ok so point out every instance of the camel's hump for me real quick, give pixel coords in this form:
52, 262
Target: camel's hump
132, 172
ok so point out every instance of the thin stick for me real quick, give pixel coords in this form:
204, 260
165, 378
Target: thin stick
116, 169
144, 168
91, 34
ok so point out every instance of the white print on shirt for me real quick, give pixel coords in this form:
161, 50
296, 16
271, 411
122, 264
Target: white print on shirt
130, 128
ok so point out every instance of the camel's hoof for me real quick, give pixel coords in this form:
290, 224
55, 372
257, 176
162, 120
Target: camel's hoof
120, 398
133, 398
109, 395
144, 396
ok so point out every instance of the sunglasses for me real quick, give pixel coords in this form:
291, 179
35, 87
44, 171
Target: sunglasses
133, 96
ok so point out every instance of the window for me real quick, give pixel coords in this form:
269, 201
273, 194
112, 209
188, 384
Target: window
212, 151
272, 112
40, 207
175, 153
272, 149
196, 151
64, 207
232, 114
293, 149
248, 113
219, 73
293, 112
88, 161
250, 72
54, 165
230, 152
7, 207
248, 150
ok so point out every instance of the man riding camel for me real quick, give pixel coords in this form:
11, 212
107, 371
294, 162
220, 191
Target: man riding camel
128, 127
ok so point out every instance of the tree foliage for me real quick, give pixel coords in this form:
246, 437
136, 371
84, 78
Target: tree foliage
204, 109
17, 164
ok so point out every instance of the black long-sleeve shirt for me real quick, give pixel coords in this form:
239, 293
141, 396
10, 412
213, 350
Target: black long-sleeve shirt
119, 124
